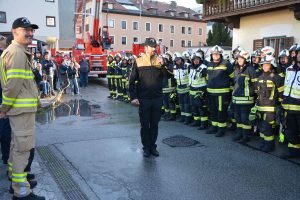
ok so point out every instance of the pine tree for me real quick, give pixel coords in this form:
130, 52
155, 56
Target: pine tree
220, 35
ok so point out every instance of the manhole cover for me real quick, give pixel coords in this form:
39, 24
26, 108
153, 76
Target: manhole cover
180, 141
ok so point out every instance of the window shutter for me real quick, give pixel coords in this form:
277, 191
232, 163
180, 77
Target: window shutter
288, 42
258, 44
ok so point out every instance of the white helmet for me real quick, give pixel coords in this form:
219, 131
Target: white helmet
177, 56
269, 59
216, 50
267, 50
237, 49
186, 55
284, 53
243, 54
197, 54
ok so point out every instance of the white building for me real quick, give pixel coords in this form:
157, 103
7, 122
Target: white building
44, 13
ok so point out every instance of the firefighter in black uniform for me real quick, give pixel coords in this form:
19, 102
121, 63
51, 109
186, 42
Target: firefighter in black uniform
118, 76
293, 54
220, 77
283, 60
181, 74
124, 67
269, 90
243, 96
291, 104
148, 71
111, 76
169, 87
198, 93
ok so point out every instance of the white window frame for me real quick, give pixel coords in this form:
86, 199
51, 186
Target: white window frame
114, 40
184, 43
50, 17
162, 28
174, 29
188, 30
146, 26
188, 43
114, 23
184, 30
138, 25
122, 40
126, 24
172, 42
136, 38
199, 31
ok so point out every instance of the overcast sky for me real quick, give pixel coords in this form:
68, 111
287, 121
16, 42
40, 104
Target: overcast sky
186, 3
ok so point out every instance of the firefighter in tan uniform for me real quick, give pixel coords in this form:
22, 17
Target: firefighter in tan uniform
20, 99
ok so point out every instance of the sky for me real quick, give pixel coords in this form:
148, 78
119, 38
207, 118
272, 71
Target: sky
186, 3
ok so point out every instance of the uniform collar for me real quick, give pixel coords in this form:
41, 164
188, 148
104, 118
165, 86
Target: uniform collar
21, 47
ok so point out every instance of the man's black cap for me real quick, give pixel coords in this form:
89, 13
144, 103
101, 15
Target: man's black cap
24, 23
150, 42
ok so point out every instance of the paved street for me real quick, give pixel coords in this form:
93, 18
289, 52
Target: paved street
93, 143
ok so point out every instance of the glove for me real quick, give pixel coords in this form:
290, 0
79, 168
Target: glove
252, 115
281, 137
173, 97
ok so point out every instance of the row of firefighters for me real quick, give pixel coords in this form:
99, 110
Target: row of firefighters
254, 93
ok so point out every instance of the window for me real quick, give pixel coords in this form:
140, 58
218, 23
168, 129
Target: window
183, 30
135, 39
189, 43
112, 37
171, 43
186, 15
148, 26
172, 29
182, 43
160, 28
123, 24
200, 31
110, 6
111, 23
2, 17
89, 10
124, 40
189, 30
135, 26
172, 14
50, 21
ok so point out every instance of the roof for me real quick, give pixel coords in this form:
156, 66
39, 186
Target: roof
152, 8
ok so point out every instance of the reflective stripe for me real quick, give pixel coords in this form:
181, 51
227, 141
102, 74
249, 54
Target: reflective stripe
220, 90
203, 119
197, 118
247, 127
221, 67
19, 73
173, 111
242, 98
295, 146
266, 109
247, 87
3, 74
291, 107
267, 138
19, 102
222, 125
9, 166
220, 103
239, 125
19, 178
214, 123
280, 89
182, 90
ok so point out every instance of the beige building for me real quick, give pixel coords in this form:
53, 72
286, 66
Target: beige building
174, 27
258, 23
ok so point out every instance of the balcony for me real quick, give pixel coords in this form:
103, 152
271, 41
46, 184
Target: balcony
229, 11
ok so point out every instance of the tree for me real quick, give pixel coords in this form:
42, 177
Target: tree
220, 35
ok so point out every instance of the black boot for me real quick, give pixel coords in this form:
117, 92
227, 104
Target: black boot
245, 139
203, 126
31, 196
231, 126
187, 120
221, 132
196, 123
181, 118
238, 135
32, 184
269, 146
212, 130
172, 117
262, 144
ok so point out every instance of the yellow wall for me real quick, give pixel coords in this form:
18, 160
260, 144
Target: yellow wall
277, 23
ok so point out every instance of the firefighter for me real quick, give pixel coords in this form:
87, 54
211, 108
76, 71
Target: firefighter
118, 76
291, 104
19, 103
283, 60
131, 62
243, 96
111, 76
181, 74
235, 53
292, 52
186, 57
169, 87
220, 77
197, 83
124, 67
269, 91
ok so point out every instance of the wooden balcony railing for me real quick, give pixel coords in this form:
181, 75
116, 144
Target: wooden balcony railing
217, 9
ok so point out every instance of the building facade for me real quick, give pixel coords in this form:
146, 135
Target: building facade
43, 13
258, 23
174, 27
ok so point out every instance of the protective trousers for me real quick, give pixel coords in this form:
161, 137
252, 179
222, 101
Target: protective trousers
125, 88
5, 138
218, 105
241, 115
293, 133
169, 107
199, 109
22, 145
267, 125
111, 85
150, 113
185, 106
119, 85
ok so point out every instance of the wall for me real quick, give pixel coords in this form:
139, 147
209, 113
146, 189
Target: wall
276, 23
